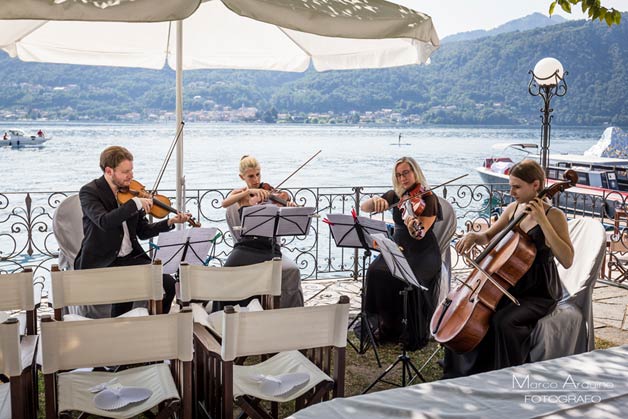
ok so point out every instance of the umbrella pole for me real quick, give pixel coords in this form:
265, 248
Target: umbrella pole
180, 179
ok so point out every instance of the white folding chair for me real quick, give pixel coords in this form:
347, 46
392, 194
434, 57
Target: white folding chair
107, 286
119, 341
17, 300
308, 341
234, 283
17, 397
568, 330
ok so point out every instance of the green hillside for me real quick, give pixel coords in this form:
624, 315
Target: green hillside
480, 81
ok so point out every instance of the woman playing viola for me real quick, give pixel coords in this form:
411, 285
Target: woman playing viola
413, 233
507, 342
252, 249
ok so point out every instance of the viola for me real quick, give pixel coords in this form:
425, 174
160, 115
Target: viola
161, 203
462, 319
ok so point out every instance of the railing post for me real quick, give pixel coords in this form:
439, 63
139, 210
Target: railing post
356, 258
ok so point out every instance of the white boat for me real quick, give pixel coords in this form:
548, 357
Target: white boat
17, 138
604, 179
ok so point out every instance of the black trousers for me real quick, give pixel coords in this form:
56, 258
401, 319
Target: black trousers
168, 284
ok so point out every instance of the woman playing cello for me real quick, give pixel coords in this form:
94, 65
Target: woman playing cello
507, 342
414, 234
249, 250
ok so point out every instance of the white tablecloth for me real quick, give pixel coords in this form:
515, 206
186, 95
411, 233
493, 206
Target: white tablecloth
589, 385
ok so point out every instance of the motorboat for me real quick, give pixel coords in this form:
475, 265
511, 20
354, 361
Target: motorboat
603, 179
17, 138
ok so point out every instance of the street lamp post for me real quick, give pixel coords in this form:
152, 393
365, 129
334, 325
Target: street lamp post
547, 81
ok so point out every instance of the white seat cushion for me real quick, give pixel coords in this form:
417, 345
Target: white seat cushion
246, 381
73, 390
136, 312
5, 401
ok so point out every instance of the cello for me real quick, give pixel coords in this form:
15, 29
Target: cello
462, 319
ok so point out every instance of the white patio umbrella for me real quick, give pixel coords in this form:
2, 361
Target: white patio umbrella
284, 35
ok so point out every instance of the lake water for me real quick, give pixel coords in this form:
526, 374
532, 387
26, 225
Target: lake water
351, 155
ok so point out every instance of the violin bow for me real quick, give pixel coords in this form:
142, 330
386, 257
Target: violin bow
167, 159
299, 168
445, 183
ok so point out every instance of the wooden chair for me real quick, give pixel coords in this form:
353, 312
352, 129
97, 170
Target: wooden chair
17, 297
119, 341
16, 362
223, 284
309, 340
107, 286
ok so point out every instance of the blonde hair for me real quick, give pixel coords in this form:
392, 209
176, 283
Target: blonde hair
528, 171
248, 162
416, 169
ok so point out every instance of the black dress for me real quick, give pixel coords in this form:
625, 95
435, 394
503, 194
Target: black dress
507, 342
382, 289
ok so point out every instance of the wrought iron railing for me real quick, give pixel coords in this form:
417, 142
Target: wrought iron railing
27, 239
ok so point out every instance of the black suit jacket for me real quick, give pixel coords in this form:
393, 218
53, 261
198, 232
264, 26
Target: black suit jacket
102, 226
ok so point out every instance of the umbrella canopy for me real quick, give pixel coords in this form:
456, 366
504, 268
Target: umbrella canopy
283, 35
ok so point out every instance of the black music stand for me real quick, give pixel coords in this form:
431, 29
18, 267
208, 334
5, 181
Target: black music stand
272, 221
192, 245
355, 232
399, 268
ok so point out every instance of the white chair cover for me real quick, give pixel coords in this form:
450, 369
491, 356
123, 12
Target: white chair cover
10, 354
106, 285
270, 331
444, 231
569, 328
5, 401
16, 291
67, 226
119, 341
229, 283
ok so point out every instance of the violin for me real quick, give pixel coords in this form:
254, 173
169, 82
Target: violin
412, 205
161, 204
281, 198
462, 319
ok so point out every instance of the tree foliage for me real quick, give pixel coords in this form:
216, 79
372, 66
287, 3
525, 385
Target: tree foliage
593, 8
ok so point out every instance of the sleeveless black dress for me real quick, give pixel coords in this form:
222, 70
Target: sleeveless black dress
507, 342
382, 296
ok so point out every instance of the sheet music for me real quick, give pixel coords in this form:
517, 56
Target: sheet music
294, 221
259, 220
171, 246
396, 261
344, 231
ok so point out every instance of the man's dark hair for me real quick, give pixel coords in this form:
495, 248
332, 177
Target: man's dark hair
113, 156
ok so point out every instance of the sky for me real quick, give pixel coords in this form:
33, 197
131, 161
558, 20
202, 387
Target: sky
454, 16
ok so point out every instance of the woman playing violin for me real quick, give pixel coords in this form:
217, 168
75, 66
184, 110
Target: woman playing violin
251, 249
507, 342
413, 233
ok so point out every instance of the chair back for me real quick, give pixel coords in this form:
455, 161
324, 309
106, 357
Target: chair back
589, 241
588, 237
119, 341
10, 356
270, 331
16, 291
67, 226
229, 283
106, 285
444, 230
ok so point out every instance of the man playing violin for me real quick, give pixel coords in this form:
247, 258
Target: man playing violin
414, 234
249, 250
507, 342
111, 230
